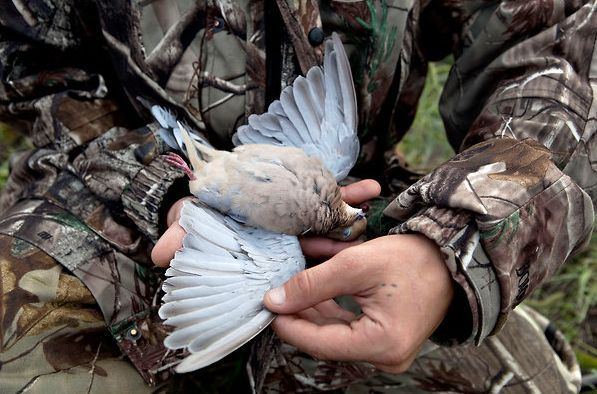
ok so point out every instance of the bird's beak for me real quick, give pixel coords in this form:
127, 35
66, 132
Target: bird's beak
351, 233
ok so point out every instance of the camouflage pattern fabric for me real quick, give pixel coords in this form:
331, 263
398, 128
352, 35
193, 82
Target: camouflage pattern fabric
527, 356
49, 314
53, 334
82, 209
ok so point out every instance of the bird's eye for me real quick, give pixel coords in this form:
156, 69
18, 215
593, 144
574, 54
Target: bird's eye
347, 232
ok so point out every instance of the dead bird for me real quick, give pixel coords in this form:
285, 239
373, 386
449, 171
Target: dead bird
279, 182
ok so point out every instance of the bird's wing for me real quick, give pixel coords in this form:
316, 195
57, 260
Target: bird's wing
318, 114
217, 281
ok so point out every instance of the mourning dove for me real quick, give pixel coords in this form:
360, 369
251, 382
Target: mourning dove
279, 182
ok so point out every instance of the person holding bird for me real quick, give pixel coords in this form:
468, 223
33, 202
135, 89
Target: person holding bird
425, 298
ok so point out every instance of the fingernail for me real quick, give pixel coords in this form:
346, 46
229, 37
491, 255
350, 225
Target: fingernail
277, 295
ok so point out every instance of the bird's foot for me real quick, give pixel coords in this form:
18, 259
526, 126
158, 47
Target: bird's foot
178, 162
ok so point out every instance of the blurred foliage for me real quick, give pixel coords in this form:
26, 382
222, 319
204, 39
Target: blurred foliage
10, 142
569, 299
425, 146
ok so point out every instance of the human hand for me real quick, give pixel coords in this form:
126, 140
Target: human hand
171, 240
314, 247
401, 284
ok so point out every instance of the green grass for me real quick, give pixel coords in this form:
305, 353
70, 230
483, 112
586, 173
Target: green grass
425, 145
569, 299
10, 142
3, 173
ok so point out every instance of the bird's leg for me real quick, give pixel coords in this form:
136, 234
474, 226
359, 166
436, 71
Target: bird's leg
178, 162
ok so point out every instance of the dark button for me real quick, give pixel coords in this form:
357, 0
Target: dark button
316, 36
218, 24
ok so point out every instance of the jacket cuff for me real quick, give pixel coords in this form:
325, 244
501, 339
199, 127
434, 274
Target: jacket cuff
150, 193
477, 301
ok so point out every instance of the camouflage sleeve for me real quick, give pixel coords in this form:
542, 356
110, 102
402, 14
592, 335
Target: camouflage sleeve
59, 86
53, 335
520, 106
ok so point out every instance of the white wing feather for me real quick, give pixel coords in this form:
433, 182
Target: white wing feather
217, 281
318, 114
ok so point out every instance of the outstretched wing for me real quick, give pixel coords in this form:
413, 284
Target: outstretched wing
217, 282
318, 114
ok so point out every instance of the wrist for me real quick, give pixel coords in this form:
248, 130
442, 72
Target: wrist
435, 267
149, 193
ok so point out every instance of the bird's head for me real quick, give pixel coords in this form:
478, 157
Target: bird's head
351, 223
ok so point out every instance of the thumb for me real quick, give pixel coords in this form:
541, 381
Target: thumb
361, 191
332, 278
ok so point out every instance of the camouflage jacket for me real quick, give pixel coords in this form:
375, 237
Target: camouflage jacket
519, 107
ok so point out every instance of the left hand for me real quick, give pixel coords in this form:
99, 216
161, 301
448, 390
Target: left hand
402, 285
171, 241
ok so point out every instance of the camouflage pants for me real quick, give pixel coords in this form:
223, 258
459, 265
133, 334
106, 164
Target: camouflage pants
54, 337
527, 356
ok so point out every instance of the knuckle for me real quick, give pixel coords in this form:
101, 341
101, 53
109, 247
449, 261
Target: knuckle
400, 355
394, 362
404, 366
398, 364
303, 282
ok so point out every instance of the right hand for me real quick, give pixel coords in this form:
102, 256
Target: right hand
403, 288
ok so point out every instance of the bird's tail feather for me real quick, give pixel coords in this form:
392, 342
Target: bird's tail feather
172, 131
192, 148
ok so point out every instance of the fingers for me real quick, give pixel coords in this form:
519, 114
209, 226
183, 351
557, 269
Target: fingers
358, 340
332, 310
167, 245
317, 247
340, 275
327, 312
174, 211
402, 286
399, 366
361, 191
321, 316
171, 240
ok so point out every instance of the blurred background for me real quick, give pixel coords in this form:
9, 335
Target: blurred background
569, 299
